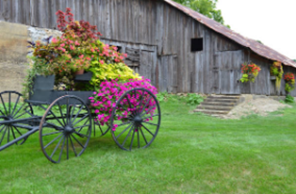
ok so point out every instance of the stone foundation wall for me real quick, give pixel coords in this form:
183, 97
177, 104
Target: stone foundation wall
13, 52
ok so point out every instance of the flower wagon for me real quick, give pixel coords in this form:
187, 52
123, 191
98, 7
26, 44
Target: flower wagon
65, 106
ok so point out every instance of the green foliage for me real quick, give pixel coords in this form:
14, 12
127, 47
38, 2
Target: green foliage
205, 7
289, 99
162, 96
289, 87
276, 69
194, 99
245, 78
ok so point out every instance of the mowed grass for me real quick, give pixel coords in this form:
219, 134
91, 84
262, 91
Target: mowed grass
192, 153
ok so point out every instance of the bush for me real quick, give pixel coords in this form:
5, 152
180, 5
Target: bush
194, 99
289, 99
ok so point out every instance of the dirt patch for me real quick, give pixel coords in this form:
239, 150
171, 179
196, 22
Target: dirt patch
260, 106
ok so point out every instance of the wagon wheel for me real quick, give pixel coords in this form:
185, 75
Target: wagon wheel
65, 128
13, 107
136, 118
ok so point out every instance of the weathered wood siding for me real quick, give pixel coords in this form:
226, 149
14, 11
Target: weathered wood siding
162, 35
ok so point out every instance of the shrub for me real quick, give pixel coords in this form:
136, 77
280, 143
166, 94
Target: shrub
194, 99
289, 99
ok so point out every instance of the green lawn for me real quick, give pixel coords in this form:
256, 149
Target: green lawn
192, 153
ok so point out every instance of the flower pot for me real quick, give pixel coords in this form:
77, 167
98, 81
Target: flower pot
79, 72
272, 77
43, 82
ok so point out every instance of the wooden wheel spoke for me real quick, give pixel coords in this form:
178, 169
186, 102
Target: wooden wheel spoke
146, 104
18, 97
124, 131
8, 133
57, 146
3, 135
127, 135
52, 141
150, 117
3, 104
60, 156
77, 114
138, 135
124, 123
80, 134
132, 141
52, 133
143, 136
146, 112
72, 146
84, 125
18, 110
148, 130
67, 148
9, 103
150, 123
61, 112
56, 118
85, 116
13, 135
77, 141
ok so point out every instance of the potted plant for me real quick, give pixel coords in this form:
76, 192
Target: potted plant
290, 82
250, 72
276, 72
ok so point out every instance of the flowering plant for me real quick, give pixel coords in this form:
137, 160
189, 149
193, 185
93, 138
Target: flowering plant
104, 100
276, 69
250, 72
290, 82
79, 48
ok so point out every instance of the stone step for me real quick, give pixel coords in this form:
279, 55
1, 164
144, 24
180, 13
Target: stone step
216, 112
209, 107
218, 103
223, 97
221, 100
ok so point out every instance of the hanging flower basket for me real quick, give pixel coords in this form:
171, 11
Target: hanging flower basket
250, 72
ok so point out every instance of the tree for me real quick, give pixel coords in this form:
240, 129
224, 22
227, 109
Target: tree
205, 7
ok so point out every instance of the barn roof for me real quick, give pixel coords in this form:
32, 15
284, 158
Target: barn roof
255, 46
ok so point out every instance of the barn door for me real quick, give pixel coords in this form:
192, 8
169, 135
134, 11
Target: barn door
167, 73
226, 72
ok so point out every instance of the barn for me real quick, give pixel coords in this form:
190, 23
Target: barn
179, 49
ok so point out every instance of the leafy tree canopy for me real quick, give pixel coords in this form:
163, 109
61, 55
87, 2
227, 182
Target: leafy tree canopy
205, 7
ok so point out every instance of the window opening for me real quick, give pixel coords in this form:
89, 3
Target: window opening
196, 44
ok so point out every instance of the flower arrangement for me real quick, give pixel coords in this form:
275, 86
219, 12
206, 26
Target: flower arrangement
276, 69
250, 72
104, 100
290, 82
79, 48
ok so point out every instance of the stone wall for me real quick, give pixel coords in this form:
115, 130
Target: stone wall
13, 52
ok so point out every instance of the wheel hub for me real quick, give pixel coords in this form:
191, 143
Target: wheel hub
68, 130
138, 120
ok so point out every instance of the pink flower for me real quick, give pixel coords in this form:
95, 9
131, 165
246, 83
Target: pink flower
62, 45
114, 127
81, 56
54, 40
77, 43
102, 62
100, 117
71, 47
